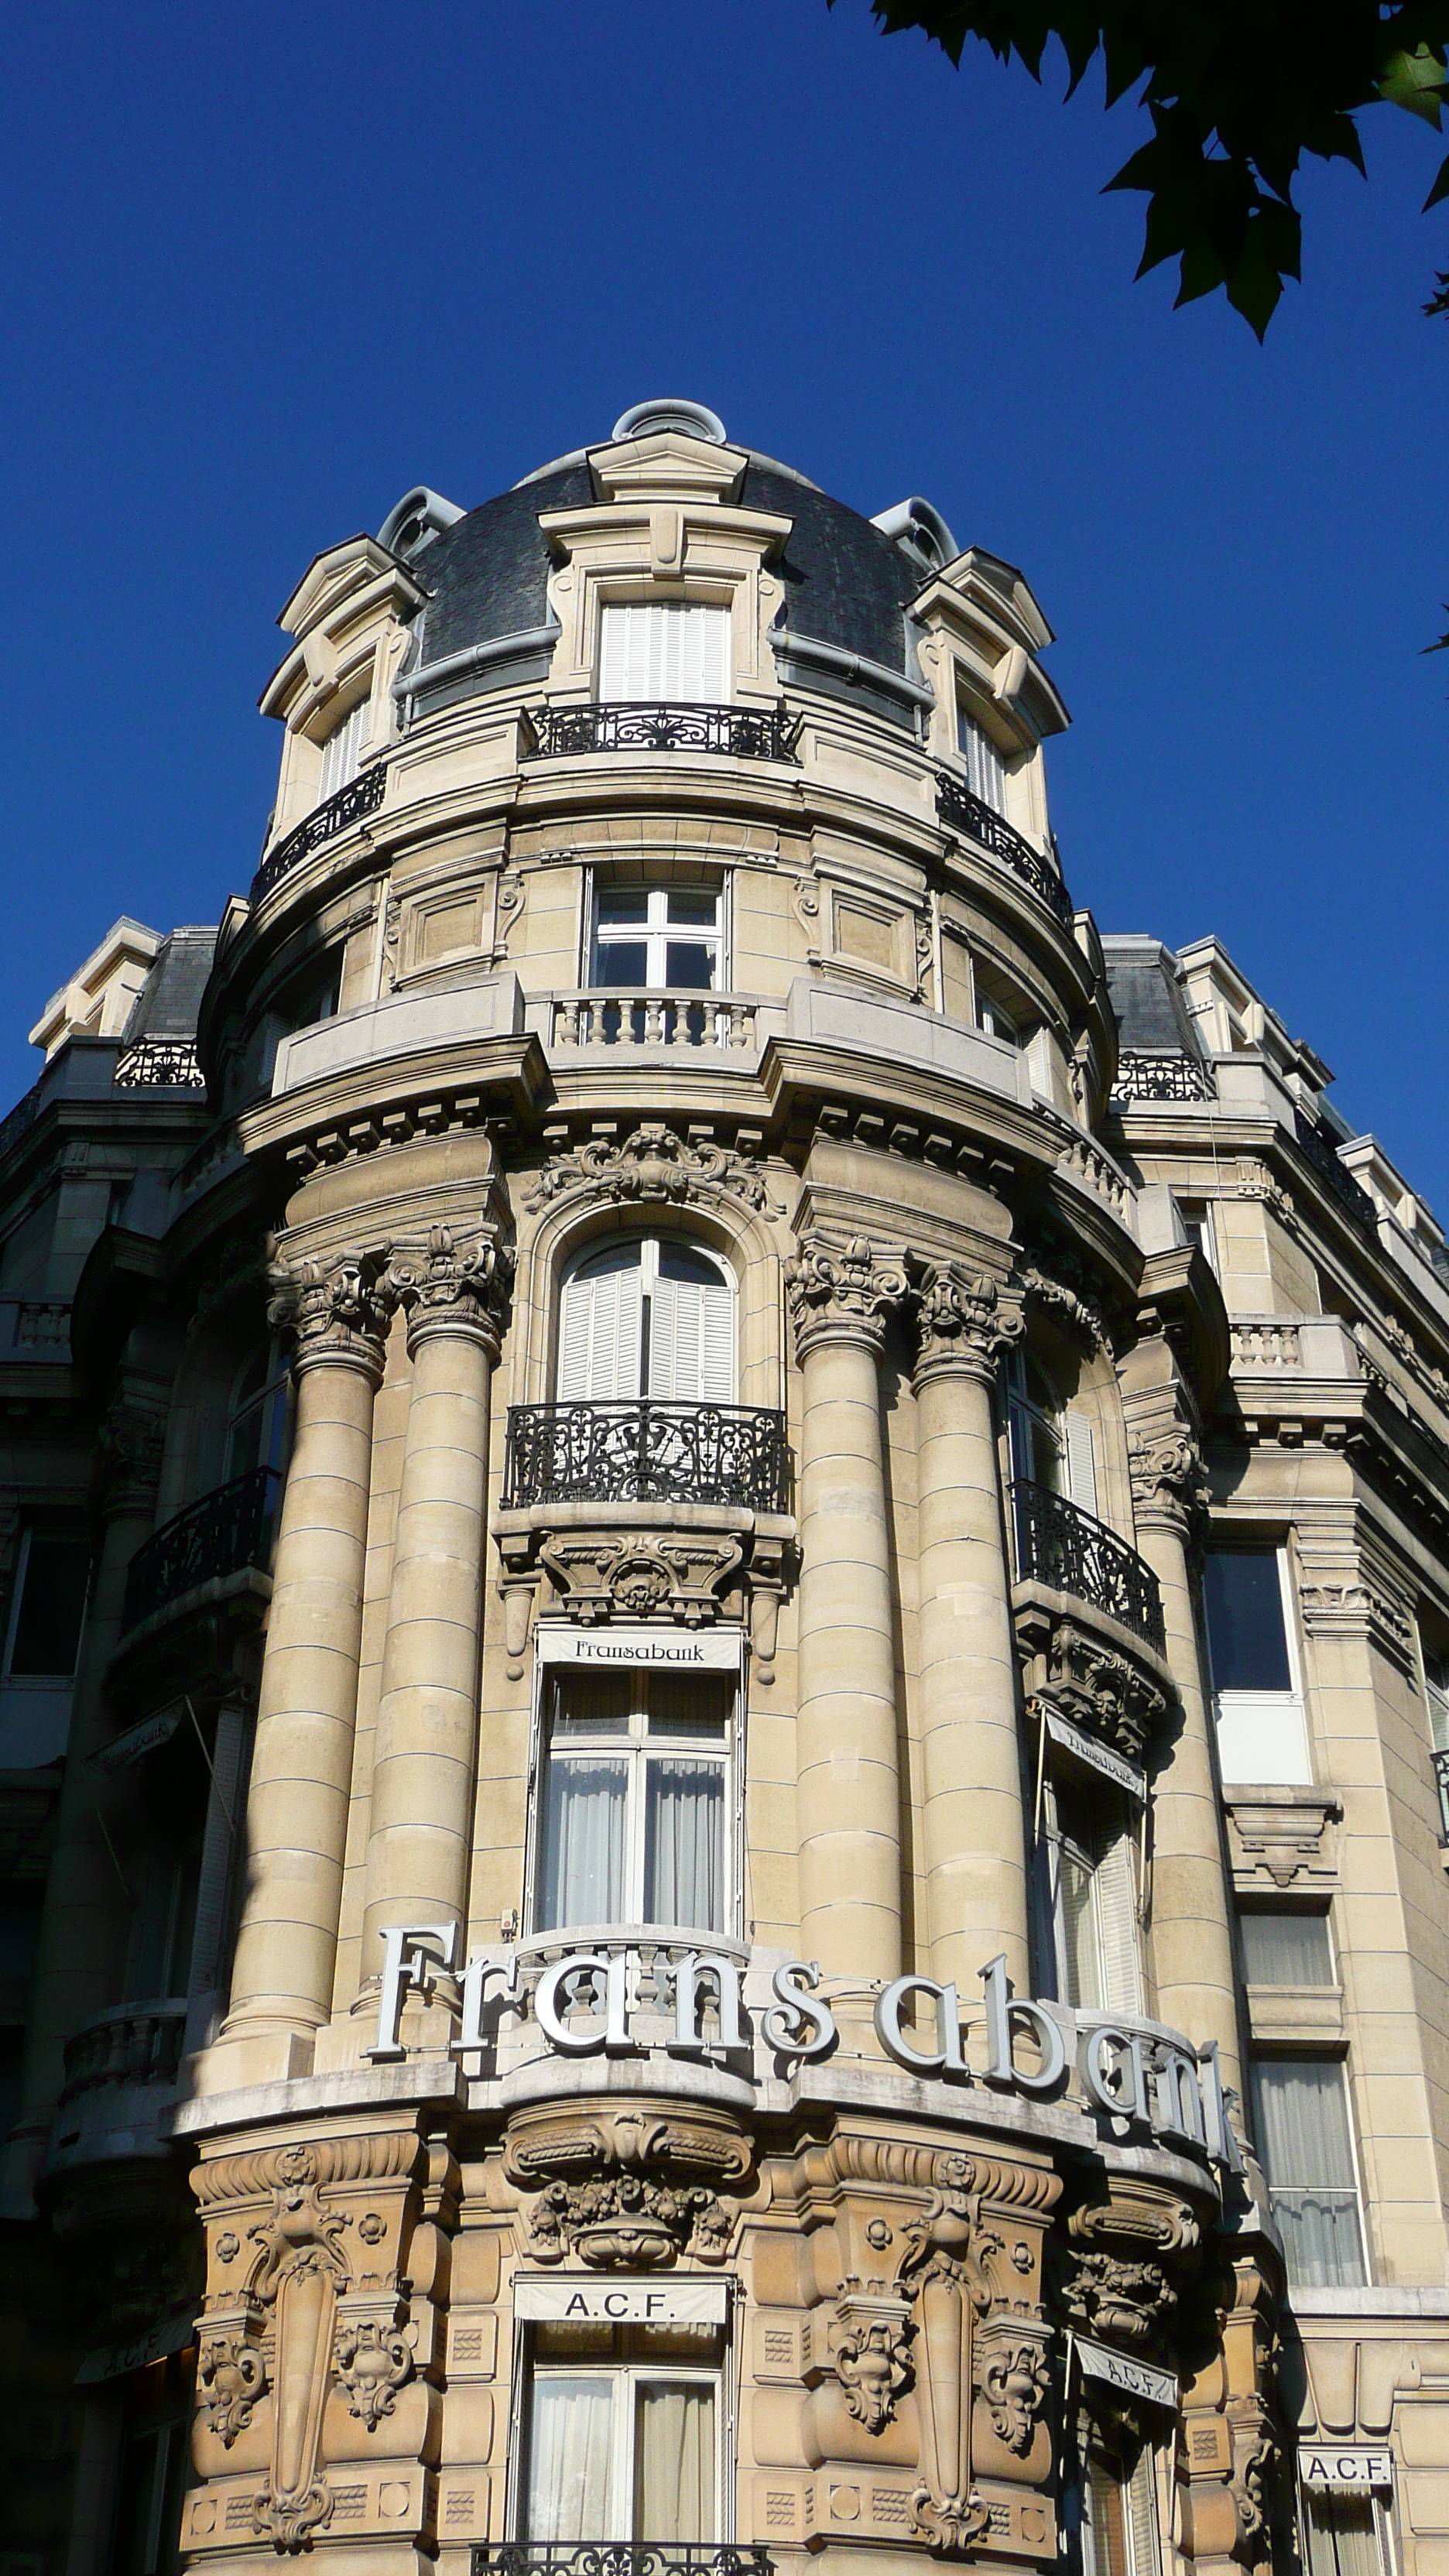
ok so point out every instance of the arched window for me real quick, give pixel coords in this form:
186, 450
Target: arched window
651, 1317
257, 1424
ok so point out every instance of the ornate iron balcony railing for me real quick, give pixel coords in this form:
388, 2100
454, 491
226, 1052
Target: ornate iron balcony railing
219, 1535
618, 2558
134, 2044
745, 733
361, 796
1441, 1774
159, 1064
1063, 1547
1165, 1074
1317, 1145
646, 1452
962, 811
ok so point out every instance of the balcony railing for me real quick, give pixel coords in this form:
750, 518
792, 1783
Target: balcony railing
351, 804
1063, 1547
1165, 1073
961, 811
134, 2044
627, 1017
1317, 1144
219, 1535
1441, 1774
159, 1064
646, 1452
744, 733
618, 2558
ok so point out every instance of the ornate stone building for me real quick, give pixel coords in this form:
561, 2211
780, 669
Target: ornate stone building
726, 1666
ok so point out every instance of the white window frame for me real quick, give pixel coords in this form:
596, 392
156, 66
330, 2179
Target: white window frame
1383, 2525
656, 932
1258, 1719
649, 1247
1066, 1428
272, 1400
636, 1748
1199, 1213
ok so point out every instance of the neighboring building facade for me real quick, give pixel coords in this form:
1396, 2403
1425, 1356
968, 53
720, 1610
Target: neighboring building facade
724, 1733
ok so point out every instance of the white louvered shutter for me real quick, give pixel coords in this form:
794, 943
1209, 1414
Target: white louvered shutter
691, 1341
664, 651
985, 775
1115, 1888
1081, 1464
342, 751
599, 1332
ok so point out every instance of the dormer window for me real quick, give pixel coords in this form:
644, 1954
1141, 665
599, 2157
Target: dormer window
342, 751
985, 770
664, 652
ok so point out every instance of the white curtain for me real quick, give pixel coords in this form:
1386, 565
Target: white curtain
583, 1843
684, 1845
570, 2459
1302, 2123
668, 651
674, 2483
1342, 2539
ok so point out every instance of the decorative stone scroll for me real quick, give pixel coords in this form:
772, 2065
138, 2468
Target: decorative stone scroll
962, 1318
650, 1166
633, 2190
632, 1577
337, 1308
445, 1284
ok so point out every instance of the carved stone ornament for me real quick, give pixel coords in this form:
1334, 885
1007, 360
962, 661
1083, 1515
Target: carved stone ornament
1016, 2382
448, 1282
130, 1442
961, 1317
652, 1166
373, 2360
231, 2378
832, 1288
338, 1305
1103, 1691
623, 2221
1168, 1478
1255, 1181
946, 2268
641, 1578
1065, 1298
870, 2351
300, 2270
1125, 2302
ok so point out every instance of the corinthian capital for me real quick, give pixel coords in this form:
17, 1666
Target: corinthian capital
448, 1285
337, 1308
832, 1289
962, 1319
1169, 1483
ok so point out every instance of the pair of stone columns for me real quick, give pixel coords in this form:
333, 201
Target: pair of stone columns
424, 1757
848, 1764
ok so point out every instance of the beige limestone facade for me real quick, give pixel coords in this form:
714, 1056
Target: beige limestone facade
724, 1730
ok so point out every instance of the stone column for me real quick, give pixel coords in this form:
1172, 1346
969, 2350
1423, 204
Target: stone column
425, 1759
87, 1908
973, 1826
1191, 1904
847, 1765
307, 1710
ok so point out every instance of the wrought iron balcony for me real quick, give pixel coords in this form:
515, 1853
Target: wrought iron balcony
1318, 1146
962, 811
361, 796
646, 1452
1063, 1547
1162, 1074
1441, 1774
745, 733
618, 2558
219, 1535
159, 1064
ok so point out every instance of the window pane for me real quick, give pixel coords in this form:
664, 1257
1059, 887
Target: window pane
1342, 2540
624, 962
1302, 2125
1081, 1968
689, 966
695, 905
681, 1261
52, 1605
684, 1845
1245, 1621
570, 2458
592, 1703
1287, 1950
674, 2477
623, 903
583, 1843
696, 1705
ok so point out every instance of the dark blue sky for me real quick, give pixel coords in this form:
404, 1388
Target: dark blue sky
266, 268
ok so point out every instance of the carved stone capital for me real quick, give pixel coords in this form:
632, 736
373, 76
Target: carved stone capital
1061, 1293
1169, 1482
336, 1307
963, 1321
842, 1291
450, 1286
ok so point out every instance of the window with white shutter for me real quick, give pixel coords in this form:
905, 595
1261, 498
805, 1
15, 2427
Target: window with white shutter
1090, 1899
648, 1318
665, 652
342, 751
1081, 1463
985, 771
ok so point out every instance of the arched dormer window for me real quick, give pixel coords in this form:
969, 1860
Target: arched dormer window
653, 1316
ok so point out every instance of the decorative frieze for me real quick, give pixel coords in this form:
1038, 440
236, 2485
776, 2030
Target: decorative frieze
652, 1166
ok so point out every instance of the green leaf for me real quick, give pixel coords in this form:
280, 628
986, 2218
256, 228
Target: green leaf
1440, 189
1415, 81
